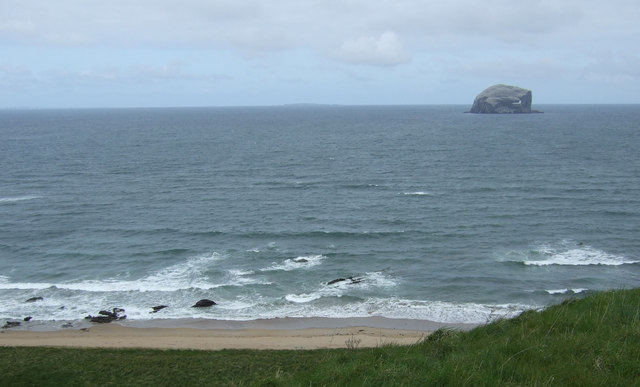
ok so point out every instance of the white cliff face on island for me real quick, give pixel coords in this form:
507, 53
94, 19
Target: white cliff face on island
503, 99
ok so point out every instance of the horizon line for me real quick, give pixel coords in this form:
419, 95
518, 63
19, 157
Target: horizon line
295, 104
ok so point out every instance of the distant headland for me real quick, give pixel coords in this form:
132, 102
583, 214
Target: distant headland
503, 99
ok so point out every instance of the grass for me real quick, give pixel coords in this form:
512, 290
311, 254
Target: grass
590, 341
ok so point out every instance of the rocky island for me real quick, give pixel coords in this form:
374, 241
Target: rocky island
503, 99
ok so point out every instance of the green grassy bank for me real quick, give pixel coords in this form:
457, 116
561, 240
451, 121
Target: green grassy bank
591, 341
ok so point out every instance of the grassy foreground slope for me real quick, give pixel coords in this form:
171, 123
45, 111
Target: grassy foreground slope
591, 341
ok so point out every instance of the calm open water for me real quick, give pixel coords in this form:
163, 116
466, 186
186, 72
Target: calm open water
436, 214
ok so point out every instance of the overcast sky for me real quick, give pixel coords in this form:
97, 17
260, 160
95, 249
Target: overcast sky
130, 53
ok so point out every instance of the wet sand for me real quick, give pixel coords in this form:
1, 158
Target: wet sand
285, 333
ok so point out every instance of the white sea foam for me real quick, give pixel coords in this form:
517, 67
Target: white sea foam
315, 295
107, 286
569, 254
302, 298
304, 305
379, 279
241, 277
566, 291
238, 272
580, 256
18, 198
78, 304
418, 193
184, 275
302, 262
446, 312
366, 282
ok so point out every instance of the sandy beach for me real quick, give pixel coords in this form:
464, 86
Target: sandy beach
284, 333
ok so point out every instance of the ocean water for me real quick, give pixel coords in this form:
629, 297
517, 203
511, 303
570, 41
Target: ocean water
436, 214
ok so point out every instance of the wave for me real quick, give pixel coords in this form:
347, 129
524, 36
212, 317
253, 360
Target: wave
190, 274
417, 193
370, 280
110, 285
18, 198
322, 234
567, 254
60, 306
447, 312
179, 287
302, 262
566, 291
439, 311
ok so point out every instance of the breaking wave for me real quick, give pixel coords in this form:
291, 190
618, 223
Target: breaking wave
338, 288
18, 198
417, 193
302, 262
570, 255
566, 291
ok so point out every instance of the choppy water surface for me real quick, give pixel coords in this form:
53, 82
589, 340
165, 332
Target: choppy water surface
436, 214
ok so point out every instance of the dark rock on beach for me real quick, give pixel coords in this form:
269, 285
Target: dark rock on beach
34, 299
101, 319
106, 316
203, 303
503, 99
11, 324
158, 308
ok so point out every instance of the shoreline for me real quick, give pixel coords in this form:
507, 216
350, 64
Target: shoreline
203, 334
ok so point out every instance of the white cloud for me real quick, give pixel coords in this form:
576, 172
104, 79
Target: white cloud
316, 25
383, 50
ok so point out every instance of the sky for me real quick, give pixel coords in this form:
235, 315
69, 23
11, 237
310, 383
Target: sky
159, 53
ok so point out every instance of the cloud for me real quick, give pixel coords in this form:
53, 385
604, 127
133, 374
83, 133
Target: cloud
383, 50
231, 45
316, 26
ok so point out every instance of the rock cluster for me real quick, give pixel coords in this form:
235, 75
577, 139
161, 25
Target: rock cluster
105, 316
11, 324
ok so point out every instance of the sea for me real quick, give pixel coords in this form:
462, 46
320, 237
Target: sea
419, 212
